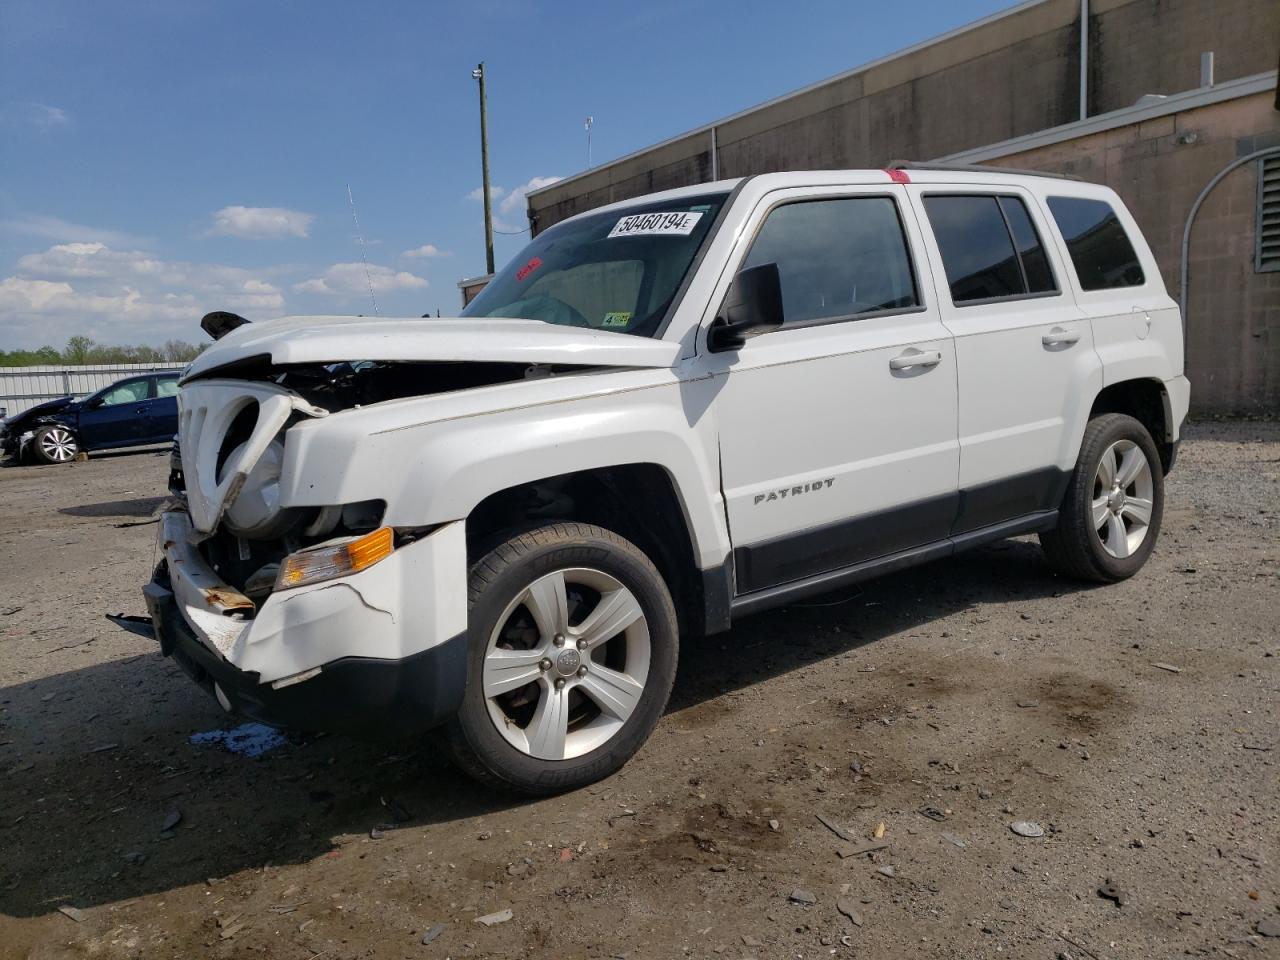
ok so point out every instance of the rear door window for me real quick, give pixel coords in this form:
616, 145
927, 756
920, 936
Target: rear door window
1101, 251
837, 259
166, 386
990, 248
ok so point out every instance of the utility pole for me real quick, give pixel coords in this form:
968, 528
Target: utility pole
478, 74
590, 122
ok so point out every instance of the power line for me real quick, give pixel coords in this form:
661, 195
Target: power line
364, 259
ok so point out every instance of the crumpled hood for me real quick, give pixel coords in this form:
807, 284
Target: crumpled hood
298, 340
41, 410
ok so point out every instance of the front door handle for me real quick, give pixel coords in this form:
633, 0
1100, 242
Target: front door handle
1058, 336
915, 358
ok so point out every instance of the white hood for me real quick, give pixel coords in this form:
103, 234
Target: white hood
293, 340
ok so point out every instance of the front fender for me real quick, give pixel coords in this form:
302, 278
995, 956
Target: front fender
438, 471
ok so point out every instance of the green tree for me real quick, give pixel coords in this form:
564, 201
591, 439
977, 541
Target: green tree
79, 350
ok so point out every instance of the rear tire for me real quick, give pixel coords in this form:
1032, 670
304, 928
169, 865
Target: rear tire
1110, 517
572, 652
54, 443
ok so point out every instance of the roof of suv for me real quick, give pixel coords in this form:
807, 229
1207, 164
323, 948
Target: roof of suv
898, 172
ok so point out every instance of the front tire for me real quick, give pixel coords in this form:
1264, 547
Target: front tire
54, 443
1111, 514
573, 646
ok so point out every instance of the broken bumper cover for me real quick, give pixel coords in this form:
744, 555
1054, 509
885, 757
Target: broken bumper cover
355, 695
382, 652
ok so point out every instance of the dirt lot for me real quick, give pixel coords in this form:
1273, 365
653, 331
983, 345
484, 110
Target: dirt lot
982, 690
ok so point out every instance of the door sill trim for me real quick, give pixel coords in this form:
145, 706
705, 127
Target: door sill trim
758, 600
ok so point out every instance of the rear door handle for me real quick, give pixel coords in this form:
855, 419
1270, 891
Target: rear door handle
915, 358
1058, 336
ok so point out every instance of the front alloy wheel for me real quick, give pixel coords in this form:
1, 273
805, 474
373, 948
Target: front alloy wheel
573, 652
54, 444
567, 664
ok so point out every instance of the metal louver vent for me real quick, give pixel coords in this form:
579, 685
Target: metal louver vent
1268, 230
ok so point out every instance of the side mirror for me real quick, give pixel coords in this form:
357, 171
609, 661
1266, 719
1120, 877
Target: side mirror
95, 403
752, 306
219, 323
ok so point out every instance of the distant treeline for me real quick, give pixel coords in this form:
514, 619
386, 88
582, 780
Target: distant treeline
82, 350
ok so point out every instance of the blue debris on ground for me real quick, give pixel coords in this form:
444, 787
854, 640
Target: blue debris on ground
247, 740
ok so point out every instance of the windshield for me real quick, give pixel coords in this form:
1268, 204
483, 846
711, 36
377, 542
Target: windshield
616, 271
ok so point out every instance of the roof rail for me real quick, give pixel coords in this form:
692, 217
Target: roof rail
976, 168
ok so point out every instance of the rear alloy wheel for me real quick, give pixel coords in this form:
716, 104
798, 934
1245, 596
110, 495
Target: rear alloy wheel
573, 652
54, 443
1110, 516
1122, 499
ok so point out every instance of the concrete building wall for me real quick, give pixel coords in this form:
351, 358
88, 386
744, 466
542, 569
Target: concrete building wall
1007, 76
1159, 168
1154, 46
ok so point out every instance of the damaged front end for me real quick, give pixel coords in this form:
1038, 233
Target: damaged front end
301, 582
277, 608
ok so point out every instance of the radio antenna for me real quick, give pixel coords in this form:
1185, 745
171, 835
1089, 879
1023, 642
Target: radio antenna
363, 258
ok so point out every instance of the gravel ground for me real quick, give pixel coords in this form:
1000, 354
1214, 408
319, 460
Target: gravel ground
926, 711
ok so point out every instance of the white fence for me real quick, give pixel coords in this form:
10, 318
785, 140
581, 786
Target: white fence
21, 388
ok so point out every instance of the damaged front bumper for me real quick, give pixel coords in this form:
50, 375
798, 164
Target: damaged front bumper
379, 653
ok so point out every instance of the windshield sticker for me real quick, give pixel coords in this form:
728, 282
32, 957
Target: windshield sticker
656, 224
528, 268
616, 318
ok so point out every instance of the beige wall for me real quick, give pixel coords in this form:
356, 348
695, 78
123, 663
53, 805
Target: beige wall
1159, 168
1013, 76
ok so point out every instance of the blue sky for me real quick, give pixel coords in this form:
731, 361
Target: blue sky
162, 158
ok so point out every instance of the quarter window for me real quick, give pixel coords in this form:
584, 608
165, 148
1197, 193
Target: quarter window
990, 248
837, 258
1100, 249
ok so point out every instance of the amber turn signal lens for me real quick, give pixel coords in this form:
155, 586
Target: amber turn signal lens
335, 559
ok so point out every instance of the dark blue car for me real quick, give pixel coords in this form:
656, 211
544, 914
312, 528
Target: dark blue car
129, 413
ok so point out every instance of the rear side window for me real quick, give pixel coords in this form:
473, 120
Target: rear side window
1100, 249
990, 248
166, 386
837, 258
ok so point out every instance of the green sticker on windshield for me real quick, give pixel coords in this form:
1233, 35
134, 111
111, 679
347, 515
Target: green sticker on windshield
616, 318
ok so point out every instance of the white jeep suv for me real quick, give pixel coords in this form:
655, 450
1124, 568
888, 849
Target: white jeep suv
664, 414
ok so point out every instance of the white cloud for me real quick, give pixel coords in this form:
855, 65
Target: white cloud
123, 296
478, 193
257, 223
42, 116
62, 231
349, 280
425, 251
514, 202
